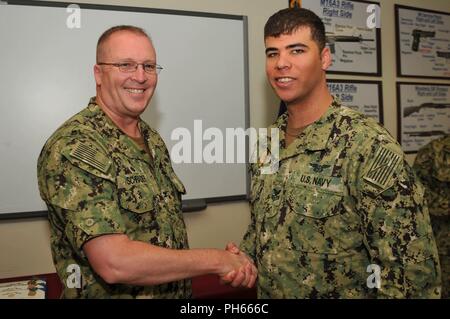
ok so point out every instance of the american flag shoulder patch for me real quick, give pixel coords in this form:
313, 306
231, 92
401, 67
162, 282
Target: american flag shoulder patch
90, 156
382, 168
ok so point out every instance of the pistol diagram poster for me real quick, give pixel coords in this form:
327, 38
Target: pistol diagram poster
351, 34
423, 42
362, 96
423, 111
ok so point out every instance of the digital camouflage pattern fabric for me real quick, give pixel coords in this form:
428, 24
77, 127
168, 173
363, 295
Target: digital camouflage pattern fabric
432, 166
95, 180
343, 199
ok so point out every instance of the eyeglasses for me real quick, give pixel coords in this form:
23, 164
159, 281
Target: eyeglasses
128, 67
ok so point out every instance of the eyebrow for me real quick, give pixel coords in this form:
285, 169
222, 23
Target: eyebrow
290, 46
132, 60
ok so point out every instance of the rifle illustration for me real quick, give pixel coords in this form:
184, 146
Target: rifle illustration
443, 54
426, 133
417, 34
332, 39
412, 109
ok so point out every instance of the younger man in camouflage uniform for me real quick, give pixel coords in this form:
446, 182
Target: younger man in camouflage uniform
343, 217
113, 198
432, 166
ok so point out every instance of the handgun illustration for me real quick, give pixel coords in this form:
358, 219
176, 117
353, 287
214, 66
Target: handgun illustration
425, 133
417, 34
332, 39
443, 54
294, 3
412, 109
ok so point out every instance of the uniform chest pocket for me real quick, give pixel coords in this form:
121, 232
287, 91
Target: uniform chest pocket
135, 193
313, 203
321, 222
315, 196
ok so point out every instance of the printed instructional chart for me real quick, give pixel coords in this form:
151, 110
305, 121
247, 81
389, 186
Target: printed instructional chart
423, 42
423, 112
362, 96
25, 289
352, 36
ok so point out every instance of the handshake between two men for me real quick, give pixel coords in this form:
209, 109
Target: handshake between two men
243, 273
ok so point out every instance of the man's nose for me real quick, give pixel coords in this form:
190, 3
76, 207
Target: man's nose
283, 62
140, 75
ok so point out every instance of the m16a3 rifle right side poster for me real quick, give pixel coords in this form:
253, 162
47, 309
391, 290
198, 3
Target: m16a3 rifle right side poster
352, 33
423, 42
423, 113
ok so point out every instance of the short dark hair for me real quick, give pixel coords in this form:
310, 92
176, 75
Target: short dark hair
105, 36
287, 21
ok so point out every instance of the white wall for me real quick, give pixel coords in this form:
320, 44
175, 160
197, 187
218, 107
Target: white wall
24, 244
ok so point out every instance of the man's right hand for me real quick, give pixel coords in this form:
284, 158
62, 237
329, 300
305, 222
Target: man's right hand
245, 275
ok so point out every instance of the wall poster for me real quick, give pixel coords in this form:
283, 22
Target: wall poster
423, 42
352, 34
363, 96
423, 112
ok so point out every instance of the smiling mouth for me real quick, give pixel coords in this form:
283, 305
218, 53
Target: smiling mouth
135, 91
284, 80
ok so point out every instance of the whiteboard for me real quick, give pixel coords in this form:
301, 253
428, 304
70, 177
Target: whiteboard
47, 76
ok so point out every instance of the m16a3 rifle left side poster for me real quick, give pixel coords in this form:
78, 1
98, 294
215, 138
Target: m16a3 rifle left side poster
423, 113
352, 34
423, 42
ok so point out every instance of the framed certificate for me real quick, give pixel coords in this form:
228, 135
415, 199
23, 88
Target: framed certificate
423, 43
352, 34
363, 96
423, 113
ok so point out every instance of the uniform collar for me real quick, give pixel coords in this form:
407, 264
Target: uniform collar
315, 137
117, 138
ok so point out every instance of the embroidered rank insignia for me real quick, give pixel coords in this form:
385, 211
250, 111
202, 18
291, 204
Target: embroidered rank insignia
383, 167
91, 156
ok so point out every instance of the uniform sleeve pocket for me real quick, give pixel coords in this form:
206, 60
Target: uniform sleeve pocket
419, 250
74, 188
83, 226
422, 273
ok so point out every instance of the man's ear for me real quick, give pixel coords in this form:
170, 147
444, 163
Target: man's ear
326, 58
97, 74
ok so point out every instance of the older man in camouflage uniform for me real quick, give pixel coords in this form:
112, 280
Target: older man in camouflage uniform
432, 166
343, 216
113, 198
